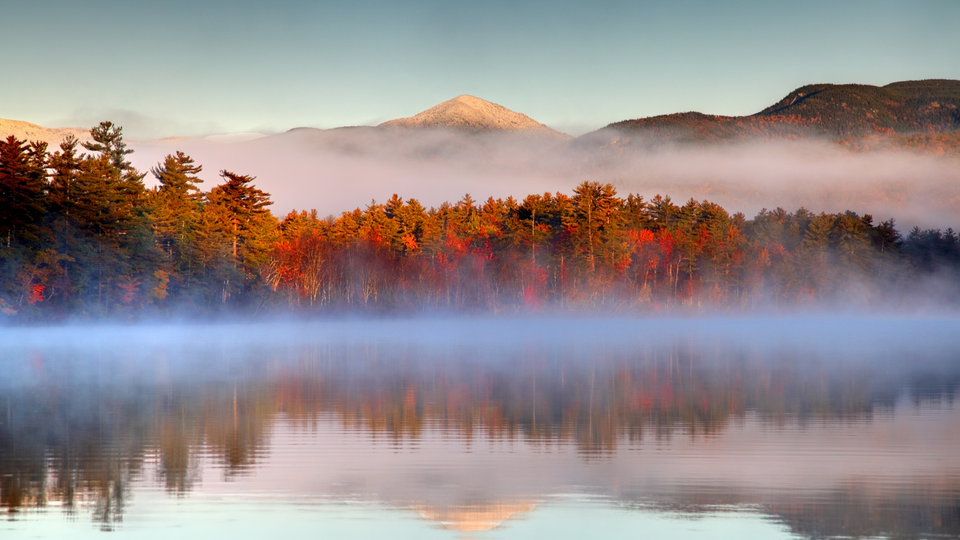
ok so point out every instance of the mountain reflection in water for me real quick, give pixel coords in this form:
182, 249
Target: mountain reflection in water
837, 427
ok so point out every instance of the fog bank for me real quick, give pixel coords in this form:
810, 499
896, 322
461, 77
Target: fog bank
342, 169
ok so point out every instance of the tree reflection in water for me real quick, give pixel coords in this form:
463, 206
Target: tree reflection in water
83, 440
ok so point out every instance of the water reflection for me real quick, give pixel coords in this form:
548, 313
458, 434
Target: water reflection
473, 517
833, 439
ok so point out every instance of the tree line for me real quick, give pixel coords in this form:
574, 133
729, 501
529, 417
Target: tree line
81, 236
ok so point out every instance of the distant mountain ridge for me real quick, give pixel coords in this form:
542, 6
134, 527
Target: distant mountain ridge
918, 115
25, 131
855, 109
832, 111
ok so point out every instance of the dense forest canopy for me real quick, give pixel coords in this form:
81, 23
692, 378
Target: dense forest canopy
83, 237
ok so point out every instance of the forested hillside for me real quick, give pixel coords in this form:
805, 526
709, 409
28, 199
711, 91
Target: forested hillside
895, 113
83, 238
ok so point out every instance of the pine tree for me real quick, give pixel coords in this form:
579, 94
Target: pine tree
64, 167
107, 232
853, 242
594, 215
22, 191
887, 239
175, 209
237, 212
108, 141
814, 257
243, 206
22, 211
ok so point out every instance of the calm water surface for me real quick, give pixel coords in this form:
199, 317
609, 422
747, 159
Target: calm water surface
484, 428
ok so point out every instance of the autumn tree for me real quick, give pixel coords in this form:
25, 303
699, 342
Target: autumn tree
107, 140
22, 191
174, 214
594, 219
22, 209
235, 223
64, 166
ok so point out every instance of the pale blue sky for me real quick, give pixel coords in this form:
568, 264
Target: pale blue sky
207, 66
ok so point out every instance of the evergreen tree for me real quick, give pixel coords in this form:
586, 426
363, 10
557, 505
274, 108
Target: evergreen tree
814, 260
887, 239
64, 167
22, 191
22, 210
108, 141
593, 219
237, 212
107, 233
242, 206
853, 243
175, 209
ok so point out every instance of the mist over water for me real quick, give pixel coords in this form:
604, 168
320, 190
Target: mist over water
808, 426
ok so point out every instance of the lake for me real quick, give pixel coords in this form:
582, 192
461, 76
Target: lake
549, 427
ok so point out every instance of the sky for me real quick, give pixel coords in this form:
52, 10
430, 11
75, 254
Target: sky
201, 67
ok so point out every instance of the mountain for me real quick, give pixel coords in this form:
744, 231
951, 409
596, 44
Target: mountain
472, 114
32, 132
921, 116
465, 129
26, 131
856, 109
840, 112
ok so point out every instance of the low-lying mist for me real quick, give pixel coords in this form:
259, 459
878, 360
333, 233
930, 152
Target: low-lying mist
231, 351
916, 190
801, 417
341, 169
